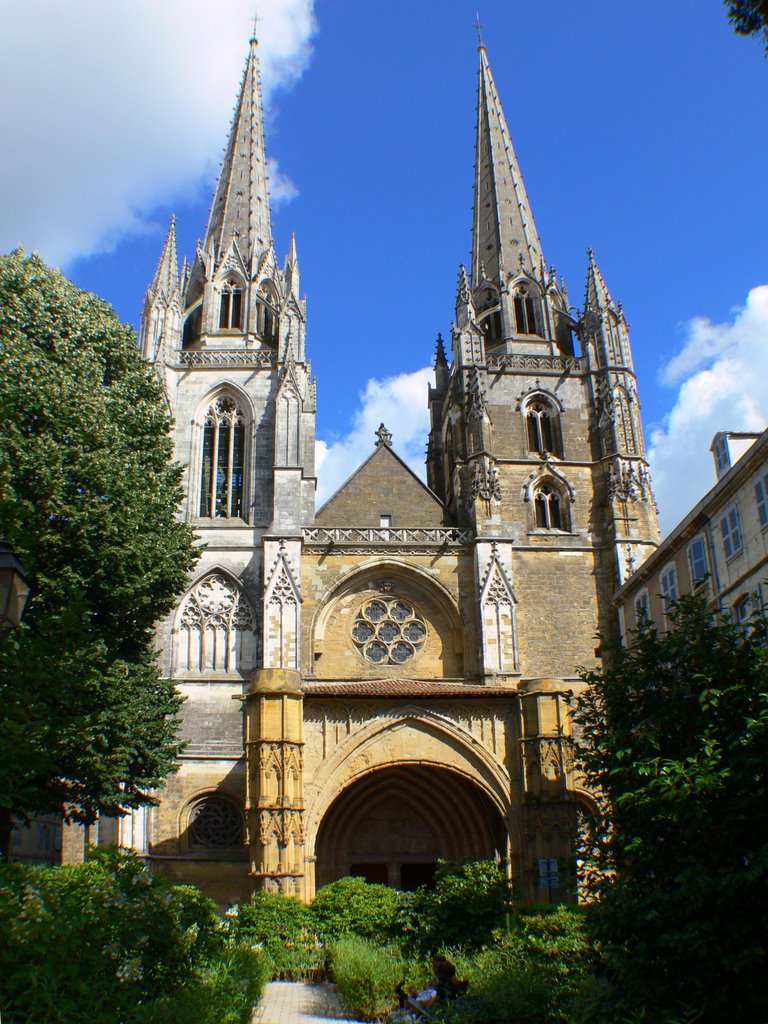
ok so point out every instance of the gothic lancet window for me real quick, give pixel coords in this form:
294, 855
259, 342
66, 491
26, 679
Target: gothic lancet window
525, 312
548, 508
216, 628
543, 427
221, 479
490, 320
231, 307
266, 316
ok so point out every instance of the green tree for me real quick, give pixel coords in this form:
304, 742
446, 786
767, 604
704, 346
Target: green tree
89, 496
675, 737
749, 17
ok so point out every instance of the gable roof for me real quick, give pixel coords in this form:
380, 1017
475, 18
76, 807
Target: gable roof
382, 485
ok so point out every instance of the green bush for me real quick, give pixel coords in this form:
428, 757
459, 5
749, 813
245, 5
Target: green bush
283, 927
223, 992
468, 902
352, 906
366, 975
105, 941
531, 974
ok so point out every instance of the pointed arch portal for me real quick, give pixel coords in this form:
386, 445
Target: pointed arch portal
394, 824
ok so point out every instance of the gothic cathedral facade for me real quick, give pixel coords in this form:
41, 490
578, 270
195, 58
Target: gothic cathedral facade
407, 646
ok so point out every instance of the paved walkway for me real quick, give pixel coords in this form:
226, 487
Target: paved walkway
295, 1002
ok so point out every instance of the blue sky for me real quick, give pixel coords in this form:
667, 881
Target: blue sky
640, 130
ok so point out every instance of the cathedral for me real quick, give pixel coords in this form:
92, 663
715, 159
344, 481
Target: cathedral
386, 682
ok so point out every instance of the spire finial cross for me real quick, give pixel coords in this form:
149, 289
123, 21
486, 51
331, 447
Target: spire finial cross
255, 19
479, 26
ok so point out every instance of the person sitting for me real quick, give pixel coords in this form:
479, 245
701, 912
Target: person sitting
445, 975
443, 985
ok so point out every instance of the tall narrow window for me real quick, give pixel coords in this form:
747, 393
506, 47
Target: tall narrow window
542, 428
697, 559
525, 312
642, 608
668, 584
267, 322
221, 480
731, 531
761, 497
231, 307
549, 512
491, 325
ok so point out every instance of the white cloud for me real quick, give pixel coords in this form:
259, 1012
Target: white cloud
119, 107
401, 404
722, 378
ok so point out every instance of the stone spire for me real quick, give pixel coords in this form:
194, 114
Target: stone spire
597, 296
291, 268
240, 209
160, 324
165, 280
504, 237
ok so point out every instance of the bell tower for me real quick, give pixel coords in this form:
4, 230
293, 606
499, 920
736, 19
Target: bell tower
227, 337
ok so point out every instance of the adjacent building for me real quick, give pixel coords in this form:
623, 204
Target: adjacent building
720, 549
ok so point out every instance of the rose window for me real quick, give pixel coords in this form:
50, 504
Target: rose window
215, 823
388, 632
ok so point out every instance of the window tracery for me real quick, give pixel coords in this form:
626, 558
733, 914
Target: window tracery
266, 315
525, 311
215, 823
216, 628
231, 306
221, 478
542, 423
548, 508
388, 631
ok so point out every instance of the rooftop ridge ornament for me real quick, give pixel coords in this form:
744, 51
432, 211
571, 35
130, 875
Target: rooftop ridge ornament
384, 437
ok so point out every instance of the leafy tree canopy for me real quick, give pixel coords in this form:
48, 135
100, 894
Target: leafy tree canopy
749, 17
675, 737
88, 500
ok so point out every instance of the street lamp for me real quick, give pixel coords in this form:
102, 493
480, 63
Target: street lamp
14, 588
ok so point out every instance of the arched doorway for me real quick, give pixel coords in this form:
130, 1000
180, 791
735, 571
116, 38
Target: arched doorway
395, 823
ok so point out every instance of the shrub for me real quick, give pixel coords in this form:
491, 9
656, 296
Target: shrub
222, 993
282, 926
469, 901
530, 974
352, 906
106, 941
366, 975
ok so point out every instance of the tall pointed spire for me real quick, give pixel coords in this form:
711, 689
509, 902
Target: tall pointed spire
504, 237
240, 209
597, 297
165, 280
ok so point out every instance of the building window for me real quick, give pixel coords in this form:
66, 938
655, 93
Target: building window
722, 455
388, 632
214, 824
547, 504
742, 611
221, 479
216, 628
668, 584
491, 327
525, 312
231, 307
542, 427
731, 531
697, 560
642, 608
761, 497
266, 317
